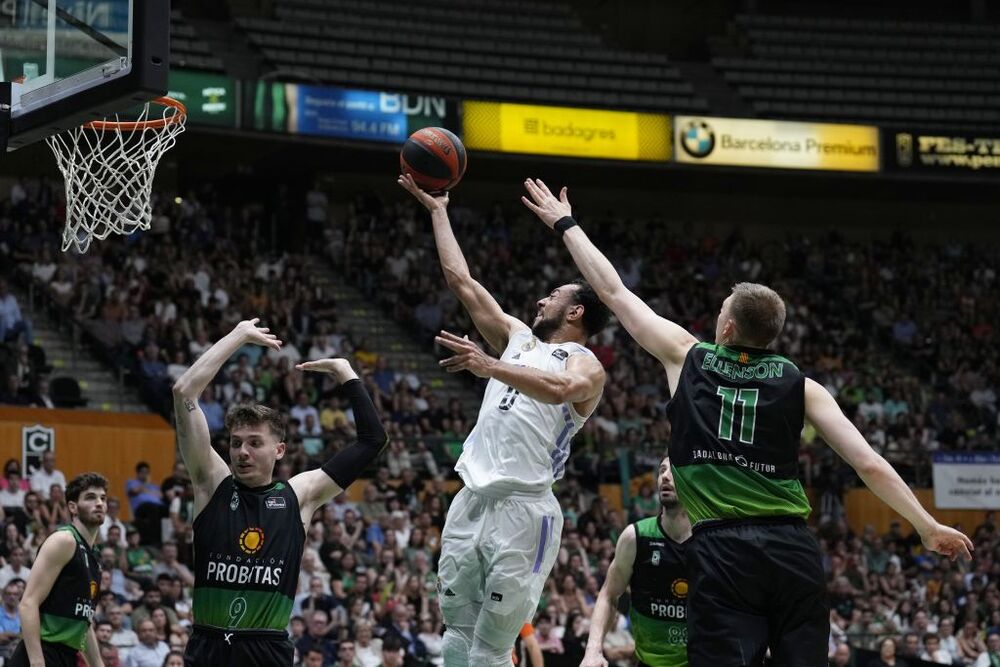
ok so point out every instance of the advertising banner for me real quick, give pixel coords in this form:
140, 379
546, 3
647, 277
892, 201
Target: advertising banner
211, 99
917, 151
776, 144
967, 480
588, 133
326, 111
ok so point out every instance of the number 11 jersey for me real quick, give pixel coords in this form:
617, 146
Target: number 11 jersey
736, 419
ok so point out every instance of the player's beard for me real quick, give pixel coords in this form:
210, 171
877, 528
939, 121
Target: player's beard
547, 326
670, 504
89, 519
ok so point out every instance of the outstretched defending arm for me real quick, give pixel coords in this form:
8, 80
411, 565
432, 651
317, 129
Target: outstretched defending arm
619, 574
494, 324
662, 338
316, 487
205, 466
840, 433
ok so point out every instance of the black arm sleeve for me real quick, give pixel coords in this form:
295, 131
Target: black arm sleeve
348, 464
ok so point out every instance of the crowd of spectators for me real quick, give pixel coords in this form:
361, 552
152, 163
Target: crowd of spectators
367, 589
902, 332
153, 303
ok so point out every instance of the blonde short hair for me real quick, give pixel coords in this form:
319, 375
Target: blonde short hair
758, 312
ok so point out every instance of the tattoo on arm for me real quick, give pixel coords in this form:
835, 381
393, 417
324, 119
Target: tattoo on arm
189, 404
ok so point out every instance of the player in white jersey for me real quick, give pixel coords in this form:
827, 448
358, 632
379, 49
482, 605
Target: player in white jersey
502, 533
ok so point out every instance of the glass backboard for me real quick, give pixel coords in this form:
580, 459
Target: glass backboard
66, 62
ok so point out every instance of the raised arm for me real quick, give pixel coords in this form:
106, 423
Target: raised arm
580, 384
662, 338
92, 650
52, 557
840, 433
206, 467
619, 574
316, 487
495, 325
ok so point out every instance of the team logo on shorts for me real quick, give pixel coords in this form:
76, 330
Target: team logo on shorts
251, 540
679, 588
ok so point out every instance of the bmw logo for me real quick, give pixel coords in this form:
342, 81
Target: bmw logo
697, 138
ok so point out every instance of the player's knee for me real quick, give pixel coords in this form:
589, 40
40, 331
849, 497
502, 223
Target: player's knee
457, 646
487, 655
461, 616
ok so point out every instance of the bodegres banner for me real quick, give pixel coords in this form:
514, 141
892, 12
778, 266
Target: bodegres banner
776, 144
967, 480
567, 131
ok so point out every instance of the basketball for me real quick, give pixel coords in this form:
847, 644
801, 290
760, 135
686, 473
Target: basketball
434, 157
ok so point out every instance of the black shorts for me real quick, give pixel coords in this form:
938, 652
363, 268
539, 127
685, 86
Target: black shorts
209, 647
756, 584
55, 655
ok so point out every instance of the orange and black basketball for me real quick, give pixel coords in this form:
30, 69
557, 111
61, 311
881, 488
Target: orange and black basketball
434, 157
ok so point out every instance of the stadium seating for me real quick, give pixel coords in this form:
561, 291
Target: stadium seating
866, 70
539, 53
187, 49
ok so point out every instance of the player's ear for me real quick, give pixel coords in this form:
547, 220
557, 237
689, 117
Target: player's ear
729, 331
574, 312
280, 448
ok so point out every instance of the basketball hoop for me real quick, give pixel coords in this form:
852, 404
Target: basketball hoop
108, 166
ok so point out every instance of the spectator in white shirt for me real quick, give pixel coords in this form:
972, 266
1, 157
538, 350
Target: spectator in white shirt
12, 494
302, 408
111, 519
43, 478
150, 651
122, 637
15, 567
111, 564
991, 656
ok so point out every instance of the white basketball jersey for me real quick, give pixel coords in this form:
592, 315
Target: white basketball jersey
520, 445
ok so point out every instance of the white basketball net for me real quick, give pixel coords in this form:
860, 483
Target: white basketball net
108, 168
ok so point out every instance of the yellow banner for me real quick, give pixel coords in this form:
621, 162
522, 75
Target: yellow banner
776, 143
587, 133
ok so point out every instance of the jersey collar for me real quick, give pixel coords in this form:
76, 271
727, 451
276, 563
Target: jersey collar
254, 489
659, 527
747, 349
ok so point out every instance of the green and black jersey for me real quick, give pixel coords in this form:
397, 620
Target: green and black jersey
248, 545
66, 612
659, 588
736, 419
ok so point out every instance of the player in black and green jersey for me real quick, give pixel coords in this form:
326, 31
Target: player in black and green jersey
61, 594
649, 561
249, 531
737, 410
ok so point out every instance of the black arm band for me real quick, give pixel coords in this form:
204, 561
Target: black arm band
562, 224
348, 464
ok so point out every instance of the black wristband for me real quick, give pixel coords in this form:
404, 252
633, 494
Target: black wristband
562, 224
